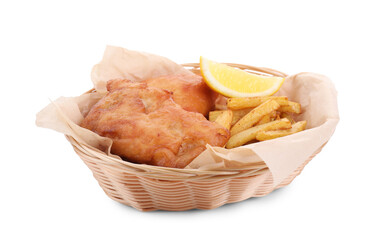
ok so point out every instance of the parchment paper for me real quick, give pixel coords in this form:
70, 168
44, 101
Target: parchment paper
315, 92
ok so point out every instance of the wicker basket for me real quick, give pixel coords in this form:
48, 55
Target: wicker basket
149, 188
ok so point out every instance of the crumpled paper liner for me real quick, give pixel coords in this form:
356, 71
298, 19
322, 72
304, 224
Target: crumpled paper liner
284, 155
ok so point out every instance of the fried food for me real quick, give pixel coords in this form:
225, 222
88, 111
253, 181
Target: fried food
264, 119
225, 119
254, 116
252, 102
250, 134
267, 135
147, 126
259, 118
189, 91
288, 116
291, 107
237, 114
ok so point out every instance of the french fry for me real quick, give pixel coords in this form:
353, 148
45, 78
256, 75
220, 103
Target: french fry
292, 107
225, 119
237, 114
267, 135
274, 115
288, 116
264, 119
254, 116
213, 115
252, 102
251, 133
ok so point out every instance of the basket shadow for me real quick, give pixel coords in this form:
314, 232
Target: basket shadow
226, 207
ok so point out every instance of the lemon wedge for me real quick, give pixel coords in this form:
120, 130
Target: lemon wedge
234, 82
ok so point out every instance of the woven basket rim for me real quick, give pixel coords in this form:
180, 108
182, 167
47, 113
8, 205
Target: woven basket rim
167, 173
159, 172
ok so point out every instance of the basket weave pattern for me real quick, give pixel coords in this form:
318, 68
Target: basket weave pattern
149, 188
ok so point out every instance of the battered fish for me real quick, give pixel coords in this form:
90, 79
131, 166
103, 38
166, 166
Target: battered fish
147, 126
189, 91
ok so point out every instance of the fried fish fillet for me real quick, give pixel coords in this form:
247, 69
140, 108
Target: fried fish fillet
189, 91
147, 126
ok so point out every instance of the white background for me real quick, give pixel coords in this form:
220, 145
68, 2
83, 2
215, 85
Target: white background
47, 50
